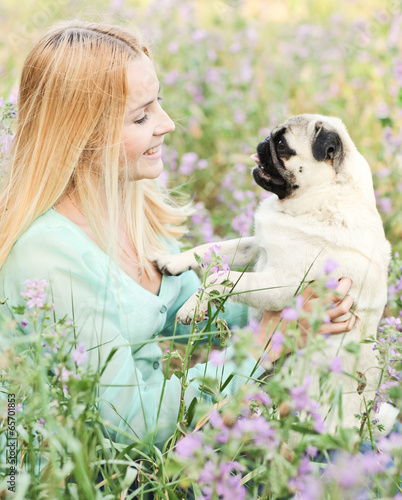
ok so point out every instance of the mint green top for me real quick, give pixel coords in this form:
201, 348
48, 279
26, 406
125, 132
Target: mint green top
115, 312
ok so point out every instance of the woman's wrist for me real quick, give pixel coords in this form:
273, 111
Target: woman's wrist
271, 322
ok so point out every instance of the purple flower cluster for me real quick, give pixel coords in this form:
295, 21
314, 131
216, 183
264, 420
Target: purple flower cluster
222, 481
215, 262
292, 313
79, 355
351, 471
34, 293
382, 396
329, 267
305, 484
255, 428
301, 401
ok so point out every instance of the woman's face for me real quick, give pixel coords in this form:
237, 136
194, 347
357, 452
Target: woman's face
145, 122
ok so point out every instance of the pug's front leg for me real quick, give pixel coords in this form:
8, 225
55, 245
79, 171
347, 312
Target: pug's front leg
195, 308
239, 252
269, 290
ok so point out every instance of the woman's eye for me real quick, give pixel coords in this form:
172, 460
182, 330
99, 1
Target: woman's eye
145, 117
142, 120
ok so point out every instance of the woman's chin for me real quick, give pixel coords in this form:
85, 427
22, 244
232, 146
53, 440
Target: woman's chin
148, 171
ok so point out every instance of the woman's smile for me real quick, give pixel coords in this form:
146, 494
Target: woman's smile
153, 153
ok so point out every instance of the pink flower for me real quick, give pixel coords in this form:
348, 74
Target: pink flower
79, 356
65, 374
41, 421
277, 340
289, 314
34, 292
336, 365
330, 266
331, 283
188, 445
216, 358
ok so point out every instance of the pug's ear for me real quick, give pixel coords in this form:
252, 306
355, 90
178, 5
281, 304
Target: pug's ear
327, 146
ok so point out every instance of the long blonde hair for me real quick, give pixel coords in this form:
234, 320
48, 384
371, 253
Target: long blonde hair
71, 103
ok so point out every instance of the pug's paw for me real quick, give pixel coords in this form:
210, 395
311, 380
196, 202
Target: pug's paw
192, 310
171, 265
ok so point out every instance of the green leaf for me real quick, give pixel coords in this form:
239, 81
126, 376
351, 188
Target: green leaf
223, 386
3, 301
203, 388
352, 347
386, 121
197, 258
400, 97
227, 283
191, 411
18, 309
179, 374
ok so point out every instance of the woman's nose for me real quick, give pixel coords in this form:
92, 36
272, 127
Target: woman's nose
165, 124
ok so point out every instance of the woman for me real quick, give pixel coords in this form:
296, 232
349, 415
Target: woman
81, 208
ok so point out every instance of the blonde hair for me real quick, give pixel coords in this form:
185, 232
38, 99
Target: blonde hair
71, 103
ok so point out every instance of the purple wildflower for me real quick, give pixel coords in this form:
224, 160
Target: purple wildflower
331, 283
188, 163
392, 372
215, 358
24, 322
336, 365
12, 99
41, 421
289, 314
300, 397
222, 481
189, 444
277, 340
65, 374
261, 397
254, 326
312, 451
34, 292
79, 355
391, 321
330, 266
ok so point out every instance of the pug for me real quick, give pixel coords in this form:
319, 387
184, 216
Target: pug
323, 207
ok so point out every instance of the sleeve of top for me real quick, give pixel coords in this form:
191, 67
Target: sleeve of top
81, 289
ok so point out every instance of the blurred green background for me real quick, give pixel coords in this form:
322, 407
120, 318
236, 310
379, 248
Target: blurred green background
231, 70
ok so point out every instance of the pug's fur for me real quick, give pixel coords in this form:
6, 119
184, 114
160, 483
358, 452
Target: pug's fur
324, 208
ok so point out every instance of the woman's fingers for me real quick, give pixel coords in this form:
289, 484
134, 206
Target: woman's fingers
338, 327
344, 286
341, 308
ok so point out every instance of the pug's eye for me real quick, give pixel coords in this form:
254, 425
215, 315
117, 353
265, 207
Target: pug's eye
281, 145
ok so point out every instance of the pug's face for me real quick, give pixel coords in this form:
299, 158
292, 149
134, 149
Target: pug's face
304, 151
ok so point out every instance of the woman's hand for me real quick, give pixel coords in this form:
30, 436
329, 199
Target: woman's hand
338, 311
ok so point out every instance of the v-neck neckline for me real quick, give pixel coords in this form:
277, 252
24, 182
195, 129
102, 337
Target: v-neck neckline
83, 234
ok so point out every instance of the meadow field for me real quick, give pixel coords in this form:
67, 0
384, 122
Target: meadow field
230, 70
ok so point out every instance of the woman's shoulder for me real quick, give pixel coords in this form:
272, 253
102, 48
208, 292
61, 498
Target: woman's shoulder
47, 224
52, 240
